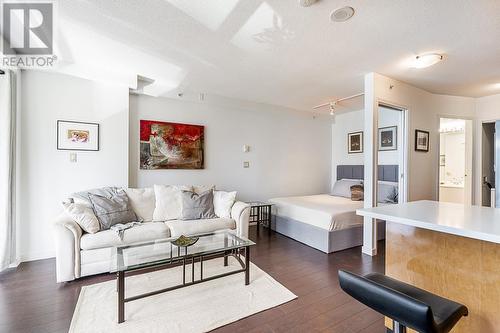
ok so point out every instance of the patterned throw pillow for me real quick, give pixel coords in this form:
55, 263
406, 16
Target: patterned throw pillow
357, 193
111, 210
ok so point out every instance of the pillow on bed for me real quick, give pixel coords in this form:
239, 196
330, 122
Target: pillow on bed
342, 188
357, 193
387, 192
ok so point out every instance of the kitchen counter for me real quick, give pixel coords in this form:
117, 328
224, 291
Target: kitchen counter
482, 223
449, 249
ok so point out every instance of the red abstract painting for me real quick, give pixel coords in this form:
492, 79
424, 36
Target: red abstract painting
171, 145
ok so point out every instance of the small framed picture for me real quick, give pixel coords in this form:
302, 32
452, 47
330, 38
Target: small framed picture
74, 135
421, 140
355, 142
387, 138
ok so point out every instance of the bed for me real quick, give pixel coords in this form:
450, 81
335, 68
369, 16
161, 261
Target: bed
326, 222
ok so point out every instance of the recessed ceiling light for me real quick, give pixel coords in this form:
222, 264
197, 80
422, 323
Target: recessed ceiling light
342, 14
426, 60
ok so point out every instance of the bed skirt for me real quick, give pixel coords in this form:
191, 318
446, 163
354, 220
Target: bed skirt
321, 239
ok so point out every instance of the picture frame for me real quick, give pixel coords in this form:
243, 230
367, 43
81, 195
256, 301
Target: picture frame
168, 145
422, 140
388, 138
77, 135
355, 142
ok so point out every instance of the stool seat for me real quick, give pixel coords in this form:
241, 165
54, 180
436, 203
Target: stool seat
408, 305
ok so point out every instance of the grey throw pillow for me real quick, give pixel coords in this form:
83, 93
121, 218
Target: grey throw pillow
83, 196
112, 209
197, 206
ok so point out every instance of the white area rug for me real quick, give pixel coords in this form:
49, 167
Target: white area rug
198, 308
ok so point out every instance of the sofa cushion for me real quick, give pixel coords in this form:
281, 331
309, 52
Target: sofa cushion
223, 202
168, 202
190, 227
112, 210
83, 196
142, 201
197, 206
83, 215
140, 233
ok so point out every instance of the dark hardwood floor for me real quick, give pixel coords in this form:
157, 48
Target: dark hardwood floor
31, 300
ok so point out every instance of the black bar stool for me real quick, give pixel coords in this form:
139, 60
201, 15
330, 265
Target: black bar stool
406, 305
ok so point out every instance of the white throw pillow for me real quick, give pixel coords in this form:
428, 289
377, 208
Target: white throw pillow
342, 188
83, 215
223, 202
142, 201
168, 202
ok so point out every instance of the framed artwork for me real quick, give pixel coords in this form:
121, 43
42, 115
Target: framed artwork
421, 140
355, 142
171, 146
387, 138
75, 135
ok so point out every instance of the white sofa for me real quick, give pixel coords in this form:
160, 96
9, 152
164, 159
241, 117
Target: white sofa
81, 254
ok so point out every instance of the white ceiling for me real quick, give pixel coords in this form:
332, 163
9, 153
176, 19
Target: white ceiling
280, 53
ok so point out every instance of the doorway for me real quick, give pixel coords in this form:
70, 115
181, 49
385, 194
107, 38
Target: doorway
488, 164
455, 160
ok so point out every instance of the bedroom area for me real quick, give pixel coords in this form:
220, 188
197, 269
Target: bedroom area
328, 221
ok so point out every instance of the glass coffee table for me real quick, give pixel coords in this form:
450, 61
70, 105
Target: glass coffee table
162, 254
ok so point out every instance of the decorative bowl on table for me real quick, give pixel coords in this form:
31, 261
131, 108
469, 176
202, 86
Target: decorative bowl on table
185, 241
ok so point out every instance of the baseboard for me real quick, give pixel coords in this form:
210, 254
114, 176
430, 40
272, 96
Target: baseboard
368, 251
15, 263
36, 256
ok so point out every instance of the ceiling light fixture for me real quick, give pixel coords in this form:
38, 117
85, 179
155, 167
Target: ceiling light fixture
342, 14
426, 60
332, 108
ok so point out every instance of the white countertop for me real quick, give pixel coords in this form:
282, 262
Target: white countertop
476, 222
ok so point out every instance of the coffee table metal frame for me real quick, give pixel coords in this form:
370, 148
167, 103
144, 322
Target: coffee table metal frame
235, 252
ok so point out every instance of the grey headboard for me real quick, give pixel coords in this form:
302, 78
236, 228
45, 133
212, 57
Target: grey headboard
387, 173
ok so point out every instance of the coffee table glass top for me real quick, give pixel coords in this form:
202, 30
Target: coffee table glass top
151, 253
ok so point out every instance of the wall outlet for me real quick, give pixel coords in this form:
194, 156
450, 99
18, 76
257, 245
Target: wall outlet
246, 164
72, 157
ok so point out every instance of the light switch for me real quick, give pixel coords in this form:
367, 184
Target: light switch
72, 157
246, 164
246, 148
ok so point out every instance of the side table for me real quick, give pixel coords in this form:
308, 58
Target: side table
260, 213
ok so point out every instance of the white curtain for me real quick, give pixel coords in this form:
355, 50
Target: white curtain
7, 168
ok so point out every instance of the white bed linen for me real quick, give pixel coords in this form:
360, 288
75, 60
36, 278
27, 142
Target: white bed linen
323, 211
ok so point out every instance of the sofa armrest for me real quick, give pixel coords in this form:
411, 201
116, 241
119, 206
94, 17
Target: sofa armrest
67, 235
240, 212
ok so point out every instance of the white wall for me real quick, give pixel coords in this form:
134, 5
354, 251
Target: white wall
290, 152
47, 175
353, 121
